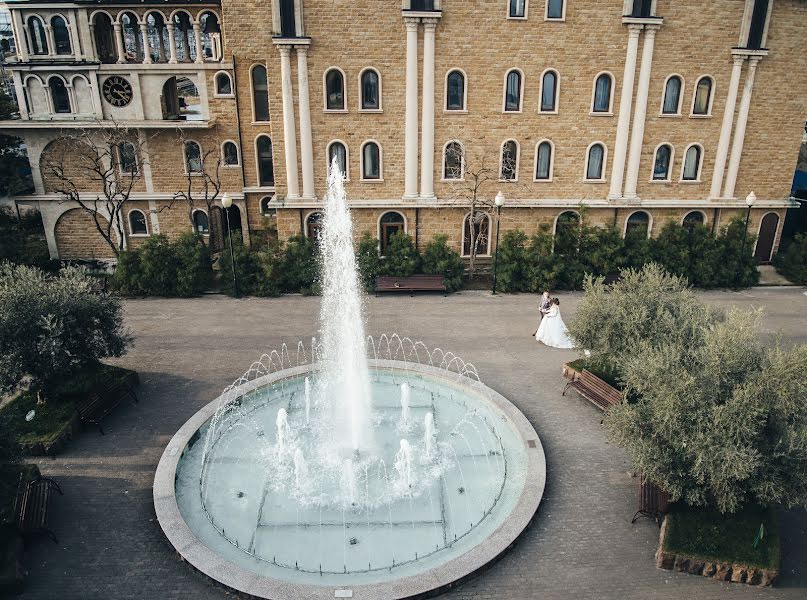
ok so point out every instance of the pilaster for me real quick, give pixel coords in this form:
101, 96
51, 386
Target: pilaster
411, 118
427, 122
739, 129
623, 122
725, 129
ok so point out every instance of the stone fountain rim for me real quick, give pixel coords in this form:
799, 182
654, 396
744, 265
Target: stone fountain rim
437, 579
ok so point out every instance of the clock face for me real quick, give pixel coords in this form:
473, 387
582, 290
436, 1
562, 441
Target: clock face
117, 91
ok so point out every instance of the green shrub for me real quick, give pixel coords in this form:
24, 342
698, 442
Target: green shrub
511, 272
246, 268
542, 266
128, 277
299, 266
268, 259
194, 267
22, 241
401, 259
368, 261
791, 261
439, 259
158, 266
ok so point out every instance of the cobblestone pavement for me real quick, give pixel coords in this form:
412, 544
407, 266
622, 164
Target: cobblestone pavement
581, 545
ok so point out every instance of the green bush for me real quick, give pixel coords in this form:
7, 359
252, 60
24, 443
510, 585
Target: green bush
194, 265
158, 266
512, 270
128, 277
542, 266
246, 268
439, 259
299, 266
22, 241
791, 261
268, 259
368, 261
401, 258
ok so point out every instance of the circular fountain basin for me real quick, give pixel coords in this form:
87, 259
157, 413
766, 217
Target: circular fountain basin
244, 530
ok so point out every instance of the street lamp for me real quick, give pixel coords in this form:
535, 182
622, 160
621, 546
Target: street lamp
227, 202
499, 203
749, 201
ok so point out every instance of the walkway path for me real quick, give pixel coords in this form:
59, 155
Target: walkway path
581, 545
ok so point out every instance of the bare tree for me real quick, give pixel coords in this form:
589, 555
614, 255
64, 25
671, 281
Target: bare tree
470, 177
97, 169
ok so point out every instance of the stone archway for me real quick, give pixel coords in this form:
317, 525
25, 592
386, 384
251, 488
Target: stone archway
78, 238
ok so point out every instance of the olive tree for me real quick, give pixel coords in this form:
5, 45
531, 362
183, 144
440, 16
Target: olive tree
52, 326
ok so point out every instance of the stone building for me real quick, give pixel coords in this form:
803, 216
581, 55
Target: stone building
640, 111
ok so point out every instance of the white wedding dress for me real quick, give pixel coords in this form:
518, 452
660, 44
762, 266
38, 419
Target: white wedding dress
552, 330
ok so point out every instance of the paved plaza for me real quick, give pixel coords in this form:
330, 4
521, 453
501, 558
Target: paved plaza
581, 544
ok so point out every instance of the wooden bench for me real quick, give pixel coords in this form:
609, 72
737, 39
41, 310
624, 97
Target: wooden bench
653, 501
414, 283
96, 406
32, 506
595, 390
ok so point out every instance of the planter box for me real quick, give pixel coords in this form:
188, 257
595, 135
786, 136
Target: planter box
56, 446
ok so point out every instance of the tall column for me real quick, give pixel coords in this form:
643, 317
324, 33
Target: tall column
97, 110
306, 143
623, 123
75, 35
197, 39
739, 128
119, 50
427, 122
289, 137
640, 111
19, 88
172, 44
146, 48
51, 39
411, 130
725, 129
161, 42
20, 37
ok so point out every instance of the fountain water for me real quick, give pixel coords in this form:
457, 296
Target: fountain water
406, 395
428, 434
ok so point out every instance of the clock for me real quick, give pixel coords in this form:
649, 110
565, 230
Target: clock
117, 91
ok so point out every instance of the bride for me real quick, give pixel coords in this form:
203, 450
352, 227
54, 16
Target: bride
552, 330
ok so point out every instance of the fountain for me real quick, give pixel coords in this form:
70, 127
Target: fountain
391, 470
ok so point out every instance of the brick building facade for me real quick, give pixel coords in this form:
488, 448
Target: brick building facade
642, 111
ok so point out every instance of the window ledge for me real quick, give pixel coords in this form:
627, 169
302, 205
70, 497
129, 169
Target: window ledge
452, 180
670, 115
689, 181
511, 18
335, 110
230, 96
595, 181
454, 112
709, 116
554, 20
381, 180
660, 181
511, 112
515, 180
534, 180
260, 122
238, 166
139, 235
371, 110
547, 112
600, 114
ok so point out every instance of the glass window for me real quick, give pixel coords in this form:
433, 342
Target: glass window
193, 157
638, 224
693, 219
61, 36
757, 26
692, 161
390, 224
266, 209
672, 96
370, 94
554, 9
453, 163
230, 151
512, 99
548, 91
596, 154
544, 160
58, 92
518, 8
703, 94
455, 91
371, 161
476, 231
661, 168
338, 151
36, 31
260, 93
602, 93
335, 90
201, 224
224, 85
567, 230
642, 8
127, 157
137, 223
266, 165
509, 160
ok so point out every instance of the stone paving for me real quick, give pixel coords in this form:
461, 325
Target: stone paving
581, 545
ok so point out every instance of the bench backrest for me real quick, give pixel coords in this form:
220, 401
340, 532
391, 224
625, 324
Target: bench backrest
604, 389
411, 278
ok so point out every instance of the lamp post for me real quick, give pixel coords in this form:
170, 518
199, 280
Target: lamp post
749, 201
227, 202
499, 203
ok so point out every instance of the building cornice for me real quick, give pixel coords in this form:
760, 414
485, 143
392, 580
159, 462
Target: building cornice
20, 126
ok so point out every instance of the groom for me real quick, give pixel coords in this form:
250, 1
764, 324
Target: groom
543, 307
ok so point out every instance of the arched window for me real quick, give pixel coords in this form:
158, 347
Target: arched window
313, 225
512, 92
518, 9
638, 224
338, 151
104, 38
595, 162
137, 223
509, 165
266, 165
567, 229
193, 157
693, 219
692, 164
334, 90
201, 224
549, 87
183, 37
127, 158
267, 210
543, 161
229, 153
156, 36
455, 91
555, 9
389, 224
260, 93
36, 33
61, 35
59, 95
453, 161
476, 232
370, 90
132, 40
672, 96
370, 161
661, 166
224, 85
703, 97
602, 94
